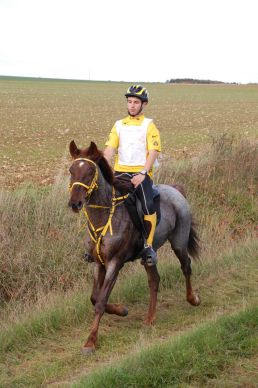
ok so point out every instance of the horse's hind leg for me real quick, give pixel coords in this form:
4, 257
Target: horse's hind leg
153, 280
185, 261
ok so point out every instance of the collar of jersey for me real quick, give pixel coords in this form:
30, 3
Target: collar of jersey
133, 120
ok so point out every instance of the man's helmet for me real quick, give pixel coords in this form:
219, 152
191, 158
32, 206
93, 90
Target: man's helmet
139, 92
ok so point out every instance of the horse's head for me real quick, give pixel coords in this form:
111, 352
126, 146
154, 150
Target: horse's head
84, 173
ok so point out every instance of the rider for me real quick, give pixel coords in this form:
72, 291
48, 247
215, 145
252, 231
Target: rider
137, 142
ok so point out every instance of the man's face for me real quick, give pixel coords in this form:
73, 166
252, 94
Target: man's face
134, 106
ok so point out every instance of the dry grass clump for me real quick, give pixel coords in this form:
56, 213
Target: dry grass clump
40, 247
221, 186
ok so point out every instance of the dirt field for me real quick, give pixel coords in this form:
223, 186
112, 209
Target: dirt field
40, 117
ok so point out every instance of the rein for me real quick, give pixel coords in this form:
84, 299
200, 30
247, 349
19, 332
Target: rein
96, 234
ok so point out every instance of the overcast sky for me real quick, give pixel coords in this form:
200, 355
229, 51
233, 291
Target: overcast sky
130, 40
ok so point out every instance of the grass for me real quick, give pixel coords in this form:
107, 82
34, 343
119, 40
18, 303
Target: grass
196, 357
44, 346
56, 313
39, 240
242, 373
40, 237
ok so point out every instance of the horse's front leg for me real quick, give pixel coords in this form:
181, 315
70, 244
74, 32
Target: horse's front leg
101, 299
153, 280
99, 276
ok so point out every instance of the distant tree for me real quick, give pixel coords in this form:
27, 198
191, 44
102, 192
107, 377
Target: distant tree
192, 81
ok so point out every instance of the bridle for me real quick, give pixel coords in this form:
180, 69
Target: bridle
94, 182
97, 234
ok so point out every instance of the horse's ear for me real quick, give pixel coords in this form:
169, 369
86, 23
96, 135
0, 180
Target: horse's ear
93, 152
74, 151
93, 149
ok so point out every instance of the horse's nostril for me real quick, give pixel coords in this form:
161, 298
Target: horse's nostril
74, 206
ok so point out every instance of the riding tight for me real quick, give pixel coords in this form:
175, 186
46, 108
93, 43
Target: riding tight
144, 191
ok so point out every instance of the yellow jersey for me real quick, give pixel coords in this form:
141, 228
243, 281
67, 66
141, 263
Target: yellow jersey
133, 138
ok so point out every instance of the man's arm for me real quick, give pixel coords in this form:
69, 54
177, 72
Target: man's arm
109, 153
153, 154
139, 178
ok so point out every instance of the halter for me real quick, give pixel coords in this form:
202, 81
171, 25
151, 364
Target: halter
93, 185
97, 234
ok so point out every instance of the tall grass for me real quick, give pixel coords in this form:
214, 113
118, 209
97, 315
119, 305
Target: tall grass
40, 246
221, 185
41, 249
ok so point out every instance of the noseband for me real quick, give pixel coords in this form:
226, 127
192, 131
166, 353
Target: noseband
93, 185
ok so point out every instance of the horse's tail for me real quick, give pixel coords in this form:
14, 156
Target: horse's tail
193, 242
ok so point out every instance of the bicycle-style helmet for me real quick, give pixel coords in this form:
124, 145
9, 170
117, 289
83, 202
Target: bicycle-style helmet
138, 91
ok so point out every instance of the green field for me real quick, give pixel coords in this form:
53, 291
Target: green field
210, 145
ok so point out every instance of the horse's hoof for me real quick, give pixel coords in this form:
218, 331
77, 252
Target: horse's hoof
87, 351
194, 300
124, 313
149, 322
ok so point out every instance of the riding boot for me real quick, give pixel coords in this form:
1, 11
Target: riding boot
149, 256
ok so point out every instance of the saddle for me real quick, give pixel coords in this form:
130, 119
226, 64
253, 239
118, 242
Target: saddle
133, 204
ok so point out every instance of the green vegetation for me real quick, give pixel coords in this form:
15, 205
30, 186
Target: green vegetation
192, 358
209, 143
45, 347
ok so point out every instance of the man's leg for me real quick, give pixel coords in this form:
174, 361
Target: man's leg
145, 194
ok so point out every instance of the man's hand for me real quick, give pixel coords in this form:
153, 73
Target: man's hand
137, 179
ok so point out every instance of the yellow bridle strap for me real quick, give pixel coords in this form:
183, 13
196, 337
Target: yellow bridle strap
86, 159
97, 234
79, 184
99, 206
93, 232
93, 184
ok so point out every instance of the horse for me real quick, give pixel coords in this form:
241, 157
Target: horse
113, 238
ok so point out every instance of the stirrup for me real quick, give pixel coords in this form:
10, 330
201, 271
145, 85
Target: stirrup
88, 258
149, 256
